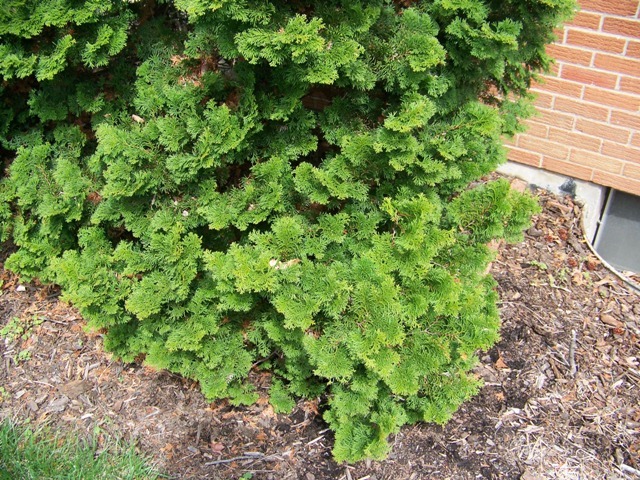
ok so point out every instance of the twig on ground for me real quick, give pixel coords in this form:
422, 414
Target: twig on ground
558, 287
58, 322
198, 433
628, 469
572, 354
253, 456
42, 383
317, 439
232, 459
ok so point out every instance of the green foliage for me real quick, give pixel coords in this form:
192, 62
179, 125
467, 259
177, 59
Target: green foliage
226, 186
19, 329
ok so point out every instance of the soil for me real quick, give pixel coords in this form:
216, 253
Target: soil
560, 397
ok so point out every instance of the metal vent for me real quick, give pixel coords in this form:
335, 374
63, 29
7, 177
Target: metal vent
618, 238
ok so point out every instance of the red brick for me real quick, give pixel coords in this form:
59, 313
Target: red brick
635, 140
536, 129
543, 100
566, 168
613, 7
586, 20
633, 49
631, 171
621, 26
582, 109
626, 119
551, 149
630, 84
575, 139
596, 161
560, 86
612, 99
568, 54
596, 41
613, 63
589, 76
620, 151
618, 182
524, 157
603, 130
557, 119
559, 34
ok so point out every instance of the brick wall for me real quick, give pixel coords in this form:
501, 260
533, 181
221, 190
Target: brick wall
588, 125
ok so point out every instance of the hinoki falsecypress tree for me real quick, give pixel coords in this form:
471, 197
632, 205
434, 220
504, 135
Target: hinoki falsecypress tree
231, 185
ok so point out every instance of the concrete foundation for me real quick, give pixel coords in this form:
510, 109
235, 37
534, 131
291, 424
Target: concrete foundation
592, 196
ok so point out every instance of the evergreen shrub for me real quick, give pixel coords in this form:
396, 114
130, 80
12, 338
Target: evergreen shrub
226, 186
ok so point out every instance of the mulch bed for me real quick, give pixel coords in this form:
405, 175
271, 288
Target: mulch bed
561, 396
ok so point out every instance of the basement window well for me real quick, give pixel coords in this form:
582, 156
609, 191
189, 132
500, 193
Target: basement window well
617, 239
